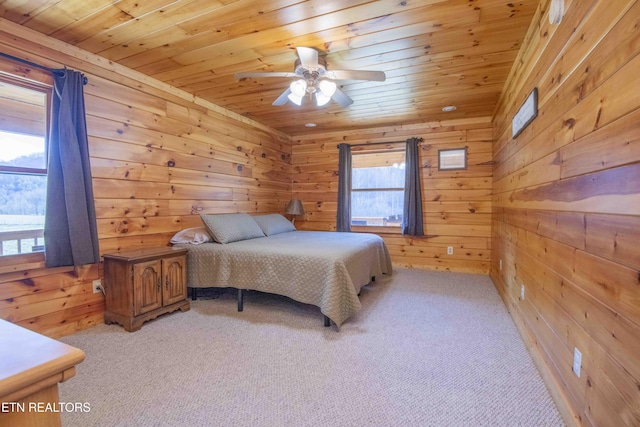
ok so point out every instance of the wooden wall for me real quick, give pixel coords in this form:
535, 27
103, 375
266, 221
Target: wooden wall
566, 219
159, 157
456, 204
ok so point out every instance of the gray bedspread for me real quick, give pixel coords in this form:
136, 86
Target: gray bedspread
326, 269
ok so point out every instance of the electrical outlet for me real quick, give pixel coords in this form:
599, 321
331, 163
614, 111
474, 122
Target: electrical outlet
522, 292
577, 361
500, 265
449, 250
97, 286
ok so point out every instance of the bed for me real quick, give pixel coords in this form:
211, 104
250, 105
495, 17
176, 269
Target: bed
325, 269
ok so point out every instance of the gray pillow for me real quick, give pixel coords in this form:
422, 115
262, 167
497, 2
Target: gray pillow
227, 228
274, 224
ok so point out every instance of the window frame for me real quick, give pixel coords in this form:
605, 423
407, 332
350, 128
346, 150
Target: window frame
45, 87
392, 229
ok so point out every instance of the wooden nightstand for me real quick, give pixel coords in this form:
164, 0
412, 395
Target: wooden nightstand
142, 284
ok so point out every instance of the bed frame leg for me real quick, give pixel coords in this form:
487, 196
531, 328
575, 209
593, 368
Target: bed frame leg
327, 322
240, 300
194, 294
373, 278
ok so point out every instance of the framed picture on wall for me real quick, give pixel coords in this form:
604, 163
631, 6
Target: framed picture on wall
525, 114
452, 159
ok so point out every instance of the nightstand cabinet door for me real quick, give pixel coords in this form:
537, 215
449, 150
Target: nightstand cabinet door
175, 280
147, 287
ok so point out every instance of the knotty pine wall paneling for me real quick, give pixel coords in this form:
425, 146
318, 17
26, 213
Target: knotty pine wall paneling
456, 204
159, 157
566, 208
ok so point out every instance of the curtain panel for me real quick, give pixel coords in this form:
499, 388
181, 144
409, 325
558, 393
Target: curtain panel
71, 235
412, 214
343, 222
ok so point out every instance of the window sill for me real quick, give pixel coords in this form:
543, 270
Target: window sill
376, 229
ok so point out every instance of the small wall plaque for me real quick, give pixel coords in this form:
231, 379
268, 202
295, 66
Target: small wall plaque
452, 159
525, 114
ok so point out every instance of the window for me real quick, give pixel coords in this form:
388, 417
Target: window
24, 115
377, 188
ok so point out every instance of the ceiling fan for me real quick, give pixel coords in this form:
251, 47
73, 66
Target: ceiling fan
312, 78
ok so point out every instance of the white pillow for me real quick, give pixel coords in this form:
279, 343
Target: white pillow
228, 228
274, 224
194, 235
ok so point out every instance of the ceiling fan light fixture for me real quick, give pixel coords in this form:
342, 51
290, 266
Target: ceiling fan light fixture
295, 98
312, 77
322, 99
298, 88
324, 92
327, 87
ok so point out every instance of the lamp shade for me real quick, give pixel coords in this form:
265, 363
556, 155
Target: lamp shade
294, 207
295, 99
327, 87
298, 87
321, 99
324, 92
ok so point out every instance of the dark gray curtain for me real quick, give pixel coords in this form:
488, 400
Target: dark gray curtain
344, 188
70, 231
412, 215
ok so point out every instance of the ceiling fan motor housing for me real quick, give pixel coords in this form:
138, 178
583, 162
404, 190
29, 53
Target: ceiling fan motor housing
310, 74
321, 68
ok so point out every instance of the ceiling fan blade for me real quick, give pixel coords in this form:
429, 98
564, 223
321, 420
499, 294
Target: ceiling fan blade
377, 76
308, 57
274, 74
342, 98
282, 99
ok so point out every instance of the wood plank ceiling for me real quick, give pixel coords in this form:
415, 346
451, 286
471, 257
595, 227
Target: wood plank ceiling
434, 52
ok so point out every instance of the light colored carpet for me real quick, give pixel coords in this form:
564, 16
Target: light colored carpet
427, 349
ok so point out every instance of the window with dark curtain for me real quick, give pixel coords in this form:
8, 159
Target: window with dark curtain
343, 220
70, 229
412, 215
